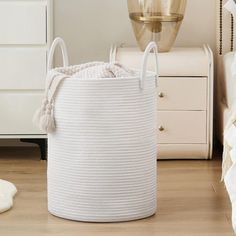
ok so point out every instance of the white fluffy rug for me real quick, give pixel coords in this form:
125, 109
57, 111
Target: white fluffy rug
7, 193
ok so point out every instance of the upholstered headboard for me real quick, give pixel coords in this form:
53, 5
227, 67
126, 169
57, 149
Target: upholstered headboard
225, 29
225, 41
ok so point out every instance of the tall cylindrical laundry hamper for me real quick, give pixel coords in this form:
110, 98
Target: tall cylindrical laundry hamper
102, 155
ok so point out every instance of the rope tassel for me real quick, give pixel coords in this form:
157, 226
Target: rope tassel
44, 116
47, 121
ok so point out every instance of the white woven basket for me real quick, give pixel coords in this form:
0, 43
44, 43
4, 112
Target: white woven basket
102, 156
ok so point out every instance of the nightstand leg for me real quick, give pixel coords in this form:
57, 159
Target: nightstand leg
42, 143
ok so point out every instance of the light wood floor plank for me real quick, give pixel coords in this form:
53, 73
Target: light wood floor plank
191, 201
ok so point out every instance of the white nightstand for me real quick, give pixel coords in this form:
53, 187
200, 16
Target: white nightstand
185, 100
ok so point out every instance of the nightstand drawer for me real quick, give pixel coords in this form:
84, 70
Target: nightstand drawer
178, 127
22, 22
182, 93
23, 68
17, 110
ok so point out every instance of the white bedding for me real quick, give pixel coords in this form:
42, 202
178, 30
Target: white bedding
228, 115
229, 81
222, 118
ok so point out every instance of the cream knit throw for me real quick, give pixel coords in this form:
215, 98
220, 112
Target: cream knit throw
44, 117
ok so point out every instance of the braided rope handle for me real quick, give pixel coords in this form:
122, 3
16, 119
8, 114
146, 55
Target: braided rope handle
113, 51
58, 42
44, 116
152, 46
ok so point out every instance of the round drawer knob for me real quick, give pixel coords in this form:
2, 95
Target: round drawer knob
161, 95
161, 128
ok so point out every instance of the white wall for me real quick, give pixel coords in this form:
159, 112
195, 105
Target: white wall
90, 26
199, 25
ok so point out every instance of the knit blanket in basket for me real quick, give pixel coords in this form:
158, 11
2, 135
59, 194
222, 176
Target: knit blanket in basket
44, 116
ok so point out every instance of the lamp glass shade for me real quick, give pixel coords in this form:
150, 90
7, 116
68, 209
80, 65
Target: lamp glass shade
156, 20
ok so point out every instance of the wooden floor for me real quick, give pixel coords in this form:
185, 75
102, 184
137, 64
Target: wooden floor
191, 201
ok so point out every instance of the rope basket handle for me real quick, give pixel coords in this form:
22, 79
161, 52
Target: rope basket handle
113, 51
152, 46
44, 116
58, 42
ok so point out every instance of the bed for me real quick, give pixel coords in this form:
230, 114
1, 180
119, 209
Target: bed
226, 96
225, 85
227, 93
